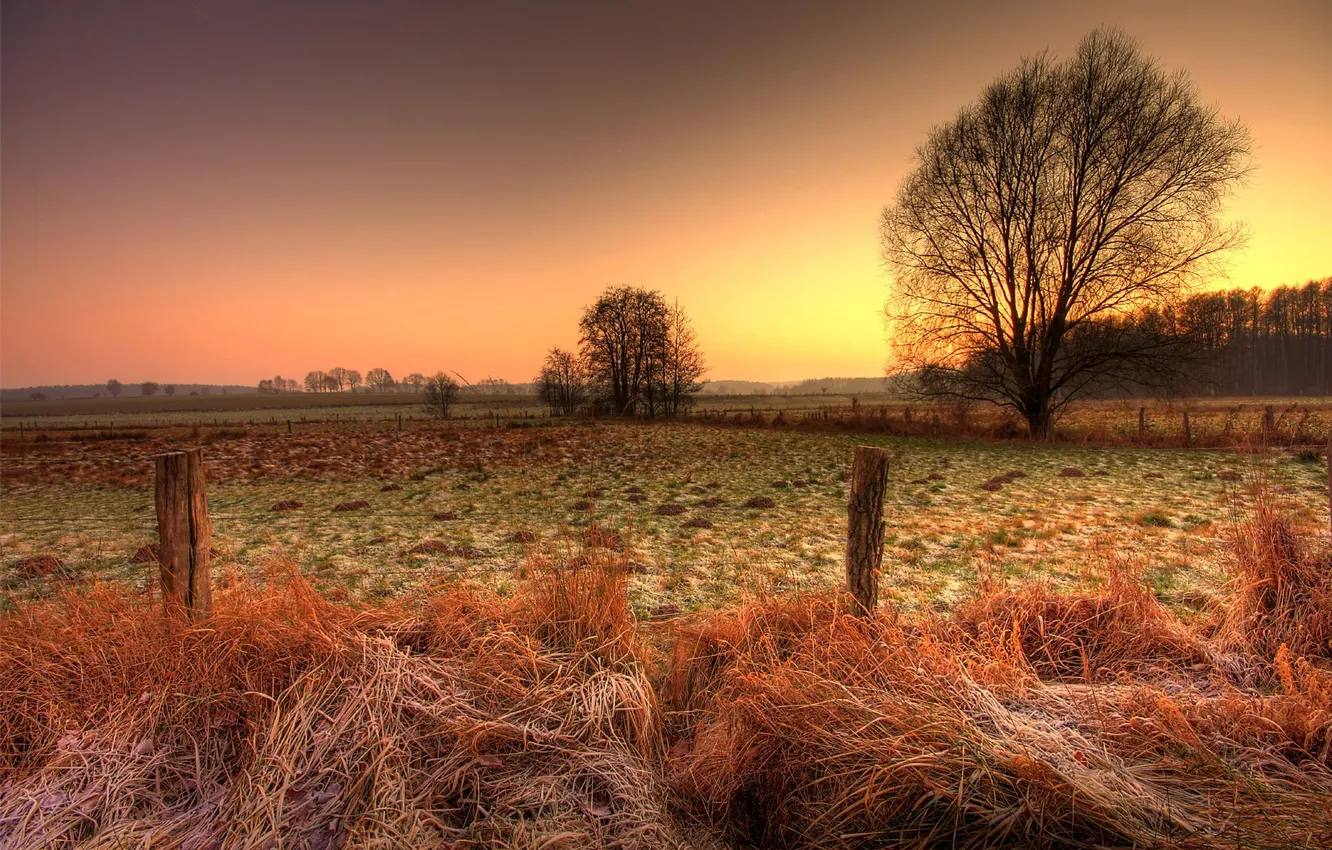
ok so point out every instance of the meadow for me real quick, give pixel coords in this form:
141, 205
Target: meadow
708, 515
544, 634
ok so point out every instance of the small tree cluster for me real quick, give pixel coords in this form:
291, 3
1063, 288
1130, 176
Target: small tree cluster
640, 353
341, 379
441, 391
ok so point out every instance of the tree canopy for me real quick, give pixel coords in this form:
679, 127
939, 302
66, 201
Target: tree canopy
1045, 217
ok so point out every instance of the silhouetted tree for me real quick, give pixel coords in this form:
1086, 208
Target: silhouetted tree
682, 366
1036, 224
353, 379
148, 388
562, 384
114, 387
379, 380
169, 389
315, 381
338, 376
440, 393
415, 380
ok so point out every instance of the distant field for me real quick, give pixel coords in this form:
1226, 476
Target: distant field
258, 408
1212, 422
445, 503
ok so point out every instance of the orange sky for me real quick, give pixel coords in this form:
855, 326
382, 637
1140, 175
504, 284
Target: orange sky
224, 191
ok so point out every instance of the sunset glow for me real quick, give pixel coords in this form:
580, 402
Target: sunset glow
220, 191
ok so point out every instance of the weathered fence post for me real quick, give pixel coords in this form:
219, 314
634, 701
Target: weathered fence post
1269, 423
1188, 432
864, 527
399, 421
184, 532
288, 426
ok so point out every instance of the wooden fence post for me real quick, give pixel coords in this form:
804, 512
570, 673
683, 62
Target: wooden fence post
1142, 422
864, 527
184, 532
288, 426
1269, 423
1188, 432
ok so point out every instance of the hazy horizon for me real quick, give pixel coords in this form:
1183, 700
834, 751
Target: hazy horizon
217, 192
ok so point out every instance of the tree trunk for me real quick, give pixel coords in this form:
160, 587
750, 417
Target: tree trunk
864, 532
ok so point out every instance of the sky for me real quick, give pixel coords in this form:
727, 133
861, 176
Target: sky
199, 191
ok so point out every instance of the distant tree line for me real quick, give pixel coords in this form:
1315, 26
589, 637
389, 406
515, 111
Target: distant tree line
637, 356
1256, 342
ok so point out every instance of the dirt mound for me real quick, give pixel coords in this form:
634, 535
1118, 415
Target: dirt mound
286, 505
997, 483
697, 522
711, 502
42, 566
440, 547
670, 509
389, 488
1071, 472
760, 502
146, 554
443, 516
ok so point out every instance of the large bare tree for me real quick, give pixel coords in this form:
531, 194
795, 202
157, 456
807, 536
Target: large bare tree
1046, 216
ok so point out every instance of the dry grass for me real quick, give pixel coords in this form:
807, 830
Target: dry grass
551, 718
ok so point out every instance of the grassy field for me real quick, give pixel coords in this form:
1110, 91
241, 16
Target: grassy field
624, 635
708, 515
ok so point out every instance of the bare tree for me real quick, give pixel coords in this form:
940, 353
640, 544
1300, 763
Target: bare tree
623, 334
339, 375
314, 381
332, 384
562, 384
683, 366
379, 380
169, 389
440, 393
354, 379
1037, 223
415, 380
148, 388
114, 387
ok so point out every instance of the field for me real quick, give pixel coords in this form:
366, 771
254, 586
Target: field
708, 514
546, 634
